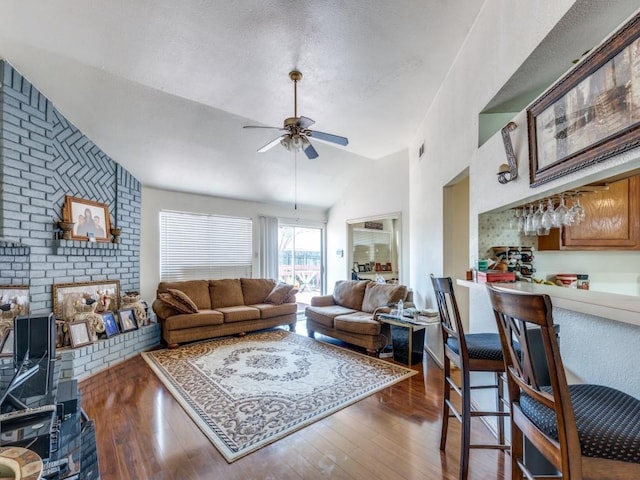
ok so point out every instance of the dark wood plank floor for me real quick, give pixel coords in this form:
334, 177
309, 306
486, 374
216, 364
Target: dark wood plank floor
142, 433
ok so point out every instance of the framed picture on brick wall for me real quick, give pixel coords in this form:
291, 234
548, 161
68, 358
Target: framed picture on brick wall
90, 219
79, 333
72, 298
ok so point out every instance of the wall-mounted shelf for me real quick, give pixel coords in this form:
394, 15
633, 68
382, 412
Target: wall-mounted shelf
80, 247
13, 248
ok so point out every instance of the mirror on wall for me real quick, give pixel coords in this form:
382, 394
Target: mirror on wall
374, 248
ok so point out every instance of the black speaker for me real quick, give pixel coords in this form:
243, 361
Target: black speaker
35, 336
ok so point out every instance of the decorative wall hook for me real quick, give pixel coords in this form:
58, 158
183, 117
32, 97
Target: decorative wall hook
508, 171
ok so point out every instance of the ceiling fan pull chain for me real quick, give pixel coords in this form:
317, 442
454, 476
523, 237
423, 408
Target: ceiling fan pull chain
295, 180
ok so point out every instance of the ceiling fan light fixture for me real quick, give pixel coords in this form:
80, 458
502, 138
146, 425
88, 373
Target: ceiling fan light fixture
292, 142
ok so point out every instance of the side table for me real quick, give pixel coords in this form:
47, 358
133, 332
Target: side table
407, 336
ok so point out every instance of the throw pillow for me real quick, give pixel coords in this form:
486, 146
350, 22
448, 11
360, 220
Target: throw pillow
183, 299
170, 300
278, 294
291, 296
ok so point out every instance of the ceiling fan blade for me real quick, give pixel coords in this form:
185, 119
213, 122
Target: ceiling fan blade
308, 149
259, 126
328, 137
305, 122
271, 144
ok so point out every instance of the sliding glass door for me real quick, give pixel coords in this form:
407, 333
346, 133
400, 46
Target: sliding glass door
300, 260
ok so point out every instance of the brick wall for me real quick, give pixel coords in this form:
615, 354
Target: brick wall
44, 157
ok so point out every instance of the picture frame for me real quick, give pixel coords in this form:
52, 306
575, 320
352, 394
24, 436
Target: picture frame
127, 320
592, 113
88, 217
65, 295
18, 295
79, 333
362, 267
110, 324
6, 343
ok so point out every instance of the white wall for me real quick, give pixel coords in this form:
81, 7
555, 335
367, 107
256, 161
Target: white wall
382, 188
502, 37
155, 200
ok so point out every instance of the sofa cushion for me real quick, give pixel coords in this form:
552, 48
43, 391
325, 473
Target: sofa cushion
291, 296
359, 322
174, 303
197, 290
269, 310
255, 290
183, 299
203, 318
226, 293
379, 294
349, 293
278, 294
325, 315
239, 313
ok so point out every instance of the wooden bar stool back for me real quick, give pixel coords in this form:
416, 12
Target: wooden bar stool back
474, 352
585, 431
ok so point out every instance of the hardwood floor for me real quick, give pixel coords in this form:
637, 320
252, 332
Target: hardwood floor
142, 433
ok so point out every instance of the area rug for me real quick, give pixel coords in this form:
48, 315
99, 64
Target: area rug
247, 392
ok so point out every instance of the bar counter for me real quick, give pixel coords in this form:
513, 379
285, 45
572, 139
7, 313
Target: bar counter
621, 308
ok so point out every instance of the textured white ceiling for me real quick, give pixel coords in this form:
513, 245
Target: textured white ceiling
165, 86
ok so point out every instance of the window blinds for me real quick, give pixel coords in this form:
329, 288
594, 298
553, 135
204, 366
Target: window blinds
202, 247
371, 246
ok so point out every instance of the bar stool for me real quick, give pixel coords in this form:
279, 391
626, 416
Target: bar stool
585, 431
474, 352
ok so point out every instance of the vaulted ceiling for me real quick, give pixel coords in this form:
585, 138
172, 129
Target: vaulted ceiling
164, 87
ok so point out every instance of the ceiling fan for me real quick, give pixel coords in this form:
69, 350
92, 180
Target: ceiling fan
296, 132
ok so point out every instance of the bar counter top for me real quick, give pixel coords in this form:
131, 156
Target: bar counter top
621, 308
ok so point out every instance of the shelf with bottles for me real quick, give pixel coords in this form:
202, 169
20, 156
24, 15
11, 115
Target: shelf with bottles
518, 259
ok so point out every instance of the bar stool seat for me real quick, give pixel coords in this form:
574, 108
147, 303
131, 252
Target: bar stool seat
481, 346
606, 418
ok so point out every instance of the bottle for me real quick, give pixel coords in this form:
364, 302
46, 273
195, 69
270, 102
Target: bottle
400, 307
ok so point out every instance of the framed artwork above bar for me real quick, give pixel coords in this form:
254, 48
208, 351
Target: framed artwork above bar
591, 114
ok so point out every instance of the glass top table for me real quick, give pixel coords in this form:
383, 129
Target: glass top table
407, 335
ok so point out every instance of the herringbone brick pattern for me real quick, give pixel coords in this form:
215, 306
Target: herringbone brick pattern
79, 167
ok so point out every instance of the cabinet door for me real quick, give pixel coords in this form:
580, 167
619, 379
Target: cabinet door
612, 219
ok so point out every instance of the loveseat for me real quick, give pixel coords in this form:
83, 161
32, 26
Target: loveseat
200, 309
350, 313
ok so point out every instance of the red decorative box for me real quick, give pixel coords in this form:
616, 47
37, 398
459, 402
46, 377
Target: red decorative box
495, 276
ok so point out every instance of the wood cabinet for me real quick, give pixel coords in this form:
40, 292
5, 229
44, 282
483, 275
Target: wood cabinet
612, 221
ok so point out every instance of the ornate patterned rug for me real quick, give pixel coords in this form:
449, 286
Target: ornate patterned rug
247, 392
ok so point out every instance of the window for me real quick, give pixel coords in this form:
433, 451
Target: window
371, 246
300, 260
196, 246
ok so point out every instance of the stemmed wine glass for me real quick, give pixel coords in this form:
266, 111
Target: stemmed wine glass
560, 214
522, 219
547, 217
537, 220
513, 221
529, 226
577, 210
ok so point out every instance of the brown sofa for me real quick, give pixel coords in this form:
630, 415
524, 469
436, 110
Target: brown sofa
350, 313
201, 309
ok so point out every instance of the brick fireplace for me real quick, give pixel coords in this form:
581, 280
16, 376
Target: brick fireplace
43, 158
